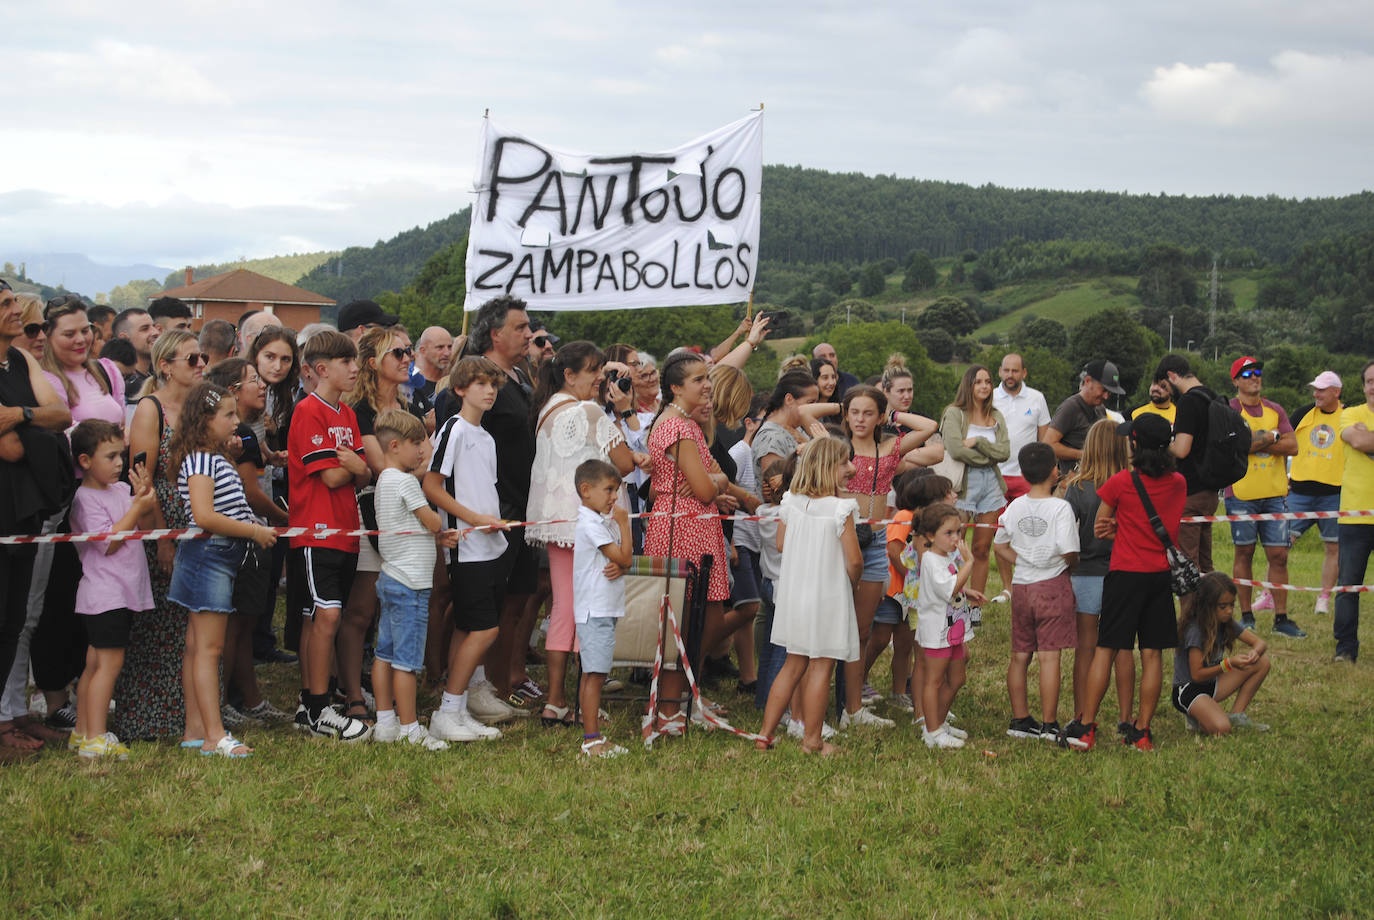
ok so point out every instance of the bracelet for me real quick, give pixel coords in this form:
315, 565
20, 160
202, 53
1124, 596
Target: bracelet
1225, 665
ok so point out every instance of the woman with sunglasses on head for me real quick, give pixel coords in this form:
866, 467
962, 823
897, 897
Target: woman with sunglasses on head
53, 640
150, 693
33, 336
570, 426
384, 357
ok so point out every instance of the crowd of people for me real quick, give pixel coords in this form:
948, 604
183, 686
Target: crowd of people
508, 474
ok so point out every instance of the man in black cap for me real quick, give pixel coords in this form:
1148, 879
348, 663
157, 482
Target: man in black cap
1075, 415
358, 316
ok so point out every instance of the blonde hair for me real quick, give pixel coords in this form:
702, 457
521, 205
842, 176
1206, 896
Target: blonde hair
895, 370
1105, 453
33, 308
373, 345
164, 349
730, 394
815, 477
397, 424
794, 363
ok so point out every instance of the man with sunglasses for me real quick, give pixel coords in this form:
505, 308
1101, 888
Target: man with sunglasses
136, 325
1262, 490
541, 346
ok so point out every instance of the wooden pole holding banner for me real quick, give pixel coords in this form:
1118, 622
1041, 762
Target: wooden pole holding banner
749, 307
486, 113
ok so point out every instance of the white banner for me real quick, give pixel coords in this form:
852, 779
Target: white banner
573, 231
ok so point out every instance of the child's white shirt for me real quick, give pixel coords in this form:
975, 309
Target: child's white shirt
465, 454
1040, 531
770, 558
935, 608
595, 595
408, 559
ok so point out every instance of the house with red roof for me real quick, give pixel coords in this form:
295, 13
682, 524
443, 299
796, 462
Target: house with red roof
230, 295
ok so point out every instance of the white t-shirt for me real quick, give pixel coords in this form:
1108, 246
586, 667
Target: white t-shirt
595, 595
746, 532
466, 455
1025, 413
770, 559
1041, 531
408, 559
939, 623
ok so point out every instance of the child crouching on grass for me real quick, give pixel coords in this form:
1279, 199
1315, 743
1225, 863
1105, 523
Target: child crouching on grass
1205, 673
403, 585
602, 550
114, 576
942, 620
1039, 536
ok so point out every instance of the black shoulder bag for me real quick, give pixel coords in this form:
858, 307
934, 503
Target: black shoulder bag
1183, 572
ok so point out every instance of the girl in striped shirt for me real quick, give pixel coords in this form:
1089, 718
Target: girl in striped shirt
204, 572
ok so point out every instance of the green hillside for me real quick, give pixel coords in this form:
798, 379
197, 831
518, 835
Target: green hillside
288, 269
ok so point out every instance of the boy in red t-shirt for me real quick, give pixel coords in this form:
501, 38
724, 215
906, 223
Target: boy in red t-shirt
326, 468
1137, 598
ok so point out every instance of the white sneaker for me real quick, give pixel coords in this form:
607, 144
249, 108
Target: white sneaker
941, 739
797, 729
901, 701
956, 732
424, 739
333, 724
487, 708
449, 726
1323, 603
864, 718
482, 731
1003, 598
386, 732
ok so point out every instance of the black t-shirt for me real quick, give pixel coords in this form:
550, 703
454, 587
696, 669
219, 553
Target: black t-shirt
367, 416
508, 422
252, 450
1192, 419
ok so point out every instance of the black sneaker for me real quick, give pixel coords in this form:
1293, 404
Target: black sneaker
1024, 728
276, 656
1140, 739
1247, 620
331, 724
1286, 627
1123, 728
1079, 736
64, 719
1050, 731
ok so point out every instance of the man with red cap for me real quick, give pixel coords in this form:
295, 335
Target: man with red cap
1314, 479
1262, 490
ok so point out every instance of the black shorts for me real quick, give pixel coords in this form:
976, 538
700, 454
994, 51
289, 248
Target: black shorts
1185, 694
479, 590
328, 577
521, 565
109, 629
1137, 606
254, 578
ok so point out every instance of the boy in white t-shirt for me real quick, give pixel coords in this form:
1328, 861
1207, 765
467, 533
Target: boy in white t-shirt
461, 482
601, 551
1039, 535
404, 583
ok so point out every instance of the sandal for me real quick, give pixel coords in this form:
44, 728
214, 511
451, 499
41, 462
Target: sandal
13, 738
228, 746
601, 747
672, 726
556, 716
358, 704
194, 744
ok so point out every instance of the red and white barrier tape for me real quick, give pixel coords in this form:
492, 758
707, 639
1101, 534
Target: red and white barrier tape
1274, 585
195, 533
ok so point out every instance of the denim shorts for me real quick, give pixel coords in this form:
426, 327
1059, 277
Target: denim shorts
1087, 593
403, 625
204, 573
1329, 528
876, 565
889, 612
982, 492
597, 640
1268, 533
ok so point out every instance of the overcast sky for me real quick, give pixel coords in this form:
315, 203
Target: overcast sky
178, 132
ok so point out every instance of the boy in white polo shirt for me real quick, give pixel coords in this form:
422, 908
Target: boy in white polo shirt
404, 583
601, 552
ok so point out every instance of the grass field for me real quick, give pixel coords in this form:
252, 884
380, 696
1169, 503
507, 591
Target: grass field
1066, 303
1251, 825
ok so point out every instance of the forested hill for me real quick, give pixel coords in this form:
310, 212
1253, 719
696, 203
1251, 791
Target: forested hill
361, 271
810, 215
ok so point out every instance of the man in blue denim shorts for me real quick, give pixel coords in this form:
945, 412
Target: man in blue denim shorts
1314, 480
1262, 490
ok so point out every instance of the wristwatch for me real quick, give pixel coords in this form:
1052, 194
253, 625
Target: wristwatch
28, 414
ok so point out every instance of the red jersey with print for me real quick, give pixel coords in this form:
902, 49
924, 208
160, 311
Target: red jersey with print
317, 430
1137, 547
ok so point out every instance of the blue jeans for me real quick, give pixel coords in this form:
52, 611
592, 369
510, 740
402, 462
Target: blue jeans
1356, 543
771, 656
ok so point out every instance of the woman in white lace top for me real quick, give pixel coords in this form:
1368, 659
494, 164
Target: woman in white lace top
570, 426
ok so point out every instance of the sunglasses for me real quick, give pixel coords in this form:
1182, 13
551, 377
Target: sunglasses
193, 359
32, 330
251, 381
1250, 372
65, 300
400, 354
541, 340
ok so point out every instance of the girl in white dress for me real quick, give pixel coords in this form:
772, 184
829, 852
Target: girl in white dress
821, 562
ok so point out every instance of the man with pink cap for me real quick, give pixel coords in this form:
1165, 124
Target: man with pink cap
1314, 479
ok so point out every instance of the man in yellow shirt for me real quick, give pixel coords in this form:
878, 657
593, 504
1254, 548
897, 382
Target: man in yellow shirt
1356, 533
1262, 490
1314, 479
1161, 402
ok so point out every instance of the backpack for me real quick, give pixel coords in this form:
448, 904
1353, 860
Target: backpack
1226, 452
